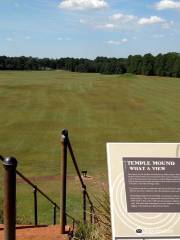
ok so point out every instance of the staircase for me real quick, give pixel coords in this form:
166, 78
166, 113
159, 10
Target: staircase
10, 231
27, 232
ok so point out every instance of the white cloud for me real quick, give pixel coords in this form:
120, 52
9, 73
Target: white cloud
124, 40
158, 36
168, 25
112, 42
106, 26
151, 20
27, 37
82, 4
125, 22
119, 17
82, 21
117, 43
65, 39
118, 21
155, 20
167, 4
9, 39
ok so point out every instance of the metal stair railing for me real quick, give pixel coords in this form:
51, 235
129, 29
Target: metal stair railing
9, 209
10, 165
36, 190
66, 145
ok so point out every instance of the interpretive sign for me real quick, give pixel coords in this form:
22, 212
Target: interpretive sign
151, 184
144, 181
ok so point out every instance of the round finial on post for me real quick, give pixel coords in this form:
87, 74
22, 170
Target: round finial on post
64, 135
64, 132
10, 161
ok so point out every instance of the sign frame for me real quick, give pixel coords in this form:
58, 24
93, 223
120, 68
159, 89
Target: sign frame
110, 176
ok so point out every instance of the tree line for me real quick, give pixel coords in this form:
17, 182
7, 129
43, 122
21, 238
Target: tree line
161, 65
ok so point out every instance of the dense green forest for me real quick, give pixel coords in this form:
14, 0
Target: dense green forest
161, 65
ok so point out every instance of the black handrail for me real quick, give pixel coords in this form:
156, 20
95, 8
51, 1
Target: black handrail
37, 189
55, 205
66, 145
78, 173
75, 163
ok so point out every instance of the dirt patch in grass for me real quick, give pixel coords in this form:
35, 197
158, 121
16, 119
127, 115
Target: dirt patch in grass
52, 178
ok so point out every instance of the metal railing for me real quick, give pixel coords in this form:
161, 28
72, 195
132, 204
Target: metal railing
36, 190
56, 207
65, 146
9, 203
9, 208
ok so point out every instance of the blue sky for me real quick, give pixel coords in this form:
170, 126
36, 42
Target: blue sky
88, 28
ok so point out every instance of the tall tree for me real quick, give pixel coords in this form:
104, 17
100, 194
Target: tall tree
147, 67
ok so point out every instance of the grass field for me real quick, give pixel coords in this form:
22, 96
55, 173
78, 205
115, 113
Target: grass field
35, 106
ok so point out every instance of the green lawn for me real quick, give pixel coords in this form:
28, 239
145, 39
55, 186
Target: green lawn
35, 106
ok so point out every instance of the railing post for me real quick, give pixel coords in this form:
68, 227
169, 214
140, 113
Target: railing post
91, 214
64, 142
54, 214
84, 206
73, 224
35, 206
9, 211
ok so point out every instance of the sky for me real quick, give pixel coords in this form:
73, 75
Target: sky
88, 28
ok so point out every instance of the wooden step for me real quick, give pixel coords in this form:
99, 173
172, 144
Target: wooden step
27, 232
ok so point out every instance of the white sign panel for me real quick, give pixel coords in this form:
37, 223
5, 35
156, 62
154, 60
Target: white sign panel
144, 182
